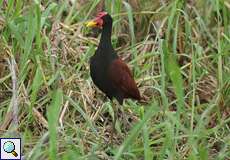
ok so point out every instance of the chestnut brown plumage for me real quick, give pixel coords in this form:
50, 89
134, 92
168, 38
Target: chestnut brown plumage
109, 73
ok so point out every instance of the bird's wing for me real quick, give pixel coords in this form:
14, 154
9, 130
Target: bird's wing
122, 79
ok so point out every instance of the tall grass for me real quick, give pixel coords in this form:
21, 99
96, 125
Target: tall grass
179, 53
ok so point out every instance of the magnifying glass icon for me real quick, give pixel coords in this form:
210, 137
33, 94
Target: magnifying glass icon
9, 147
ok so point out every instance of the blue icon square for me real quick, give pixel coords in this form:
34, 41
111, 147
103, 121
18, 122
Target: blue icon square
10, 148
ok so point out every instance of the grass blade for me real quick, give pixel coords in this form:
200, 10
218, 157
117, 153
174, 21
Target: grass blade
53, 114
152, 110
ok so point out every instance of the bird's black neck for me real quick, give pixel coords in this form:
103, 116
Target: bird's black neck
105, 41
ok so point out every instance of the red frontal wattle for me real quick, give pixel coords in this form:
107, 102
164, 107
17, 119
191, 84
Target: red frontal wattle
101, 14
99, 19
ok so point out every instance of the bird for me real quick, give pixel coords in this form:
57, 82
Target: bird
107, 70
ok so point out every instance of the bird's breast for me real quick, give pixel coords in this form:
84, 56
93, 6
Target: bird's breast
99, 74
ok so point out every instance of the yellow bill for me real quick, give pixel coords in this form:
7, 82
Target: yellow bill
91, 24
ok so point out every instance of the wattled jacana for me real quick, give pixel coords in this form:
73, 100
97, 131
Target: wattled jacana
109, 73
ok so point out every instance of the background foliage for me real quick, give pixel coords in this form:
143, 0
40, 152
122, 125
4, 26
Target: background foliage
179, 52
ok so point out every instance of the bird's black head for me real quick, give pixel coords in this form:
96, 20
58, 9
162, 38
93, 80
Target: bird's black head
102, 19
107, 20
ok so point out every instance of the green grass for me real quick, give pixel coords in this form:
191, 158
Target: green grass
178, 51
